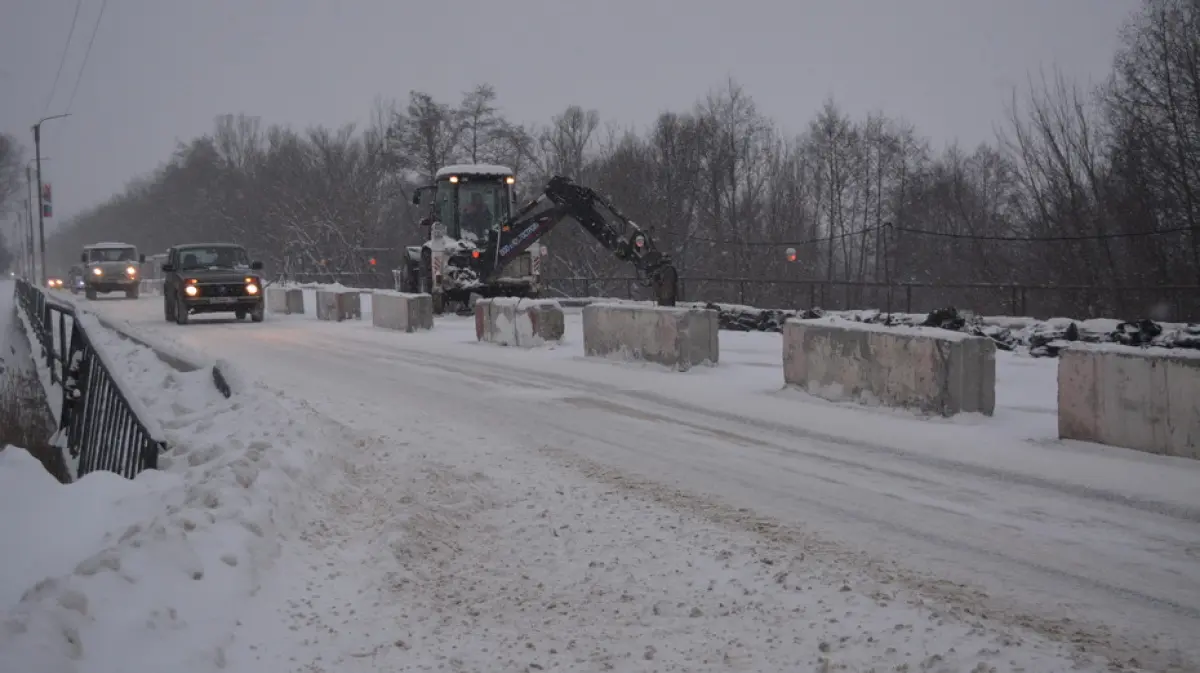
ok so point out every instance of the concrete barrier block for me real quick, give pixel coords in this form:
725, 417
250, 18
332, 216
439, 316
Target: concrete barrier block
338, 305
933, 370
677, 337
525, 323
285, 300
401, 311
1146, 399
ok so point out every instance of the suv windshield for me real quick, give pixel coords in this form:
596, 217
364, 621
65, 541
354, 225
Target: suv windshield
216, 256
112, 254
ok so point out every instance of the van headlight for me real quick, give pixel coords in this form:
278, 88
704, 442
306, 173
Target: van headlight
97, 271
131, 270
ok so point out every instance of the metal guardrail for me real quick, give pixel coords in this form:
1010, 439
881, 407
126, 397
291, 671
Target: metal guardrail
103, 425
1168, 303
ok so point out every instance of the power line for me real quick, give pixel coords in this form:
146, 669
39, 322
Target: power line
86, 54
62, 59
930, 232
810, 241
1047, 239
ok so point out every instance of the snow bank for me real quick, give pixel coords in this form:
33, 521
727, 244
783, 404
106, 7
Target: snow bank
112, 575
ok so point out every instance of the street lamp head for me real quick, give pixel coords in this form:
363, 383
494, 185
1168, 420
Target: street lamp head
46, 119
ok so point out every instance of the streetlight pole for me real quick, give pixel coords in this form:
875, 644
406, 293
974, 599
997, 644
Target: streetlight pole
37, 152
31, 272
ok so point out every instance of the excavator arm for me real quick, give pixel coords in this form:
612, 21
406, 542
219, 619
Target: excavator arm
563, 199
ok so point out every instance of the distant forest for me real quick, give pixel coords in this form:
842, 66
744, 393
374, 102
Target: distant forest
1093, 192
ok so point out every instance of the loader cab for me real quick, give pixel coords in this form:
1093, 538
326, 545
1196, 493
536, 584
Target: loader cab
469, 200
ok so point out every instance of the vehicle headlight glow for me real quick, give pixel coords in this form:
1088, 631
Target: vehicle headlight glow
191, 290
97, 271
251, 288
131, 270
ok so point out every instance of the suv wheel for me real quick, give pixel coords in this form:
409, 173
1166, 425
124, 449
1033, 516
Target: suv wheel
181, 313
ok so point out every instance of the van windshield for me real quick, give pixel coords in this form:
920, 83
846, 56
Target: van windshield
112, 255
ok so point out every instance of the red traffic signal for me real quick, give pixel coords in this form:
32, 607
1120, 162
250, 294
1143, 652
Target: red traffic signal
371, 261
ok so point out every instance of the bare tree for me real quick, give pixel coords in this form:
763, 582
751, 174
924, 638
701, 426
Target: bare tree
1102, 191
11, 162
481, 125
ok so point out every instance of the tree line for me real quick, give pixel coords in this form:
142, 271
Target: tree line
12, 182
1098, 189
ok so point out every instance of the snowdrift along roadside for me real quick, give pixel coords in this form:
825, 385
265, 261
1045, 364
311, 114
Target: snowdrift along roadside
110, 575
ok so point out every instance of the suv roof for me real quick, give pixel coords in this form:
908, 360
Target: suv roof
182, 246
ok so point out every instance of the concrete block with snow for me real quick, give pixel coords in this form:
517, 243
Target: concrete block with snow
1146, 399
525, 323
285, 300
401, 311
933, 370
338, 305
677, 337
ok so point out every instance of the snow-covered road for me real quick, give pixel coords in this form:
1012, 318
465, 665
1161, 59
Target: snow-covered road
505, 509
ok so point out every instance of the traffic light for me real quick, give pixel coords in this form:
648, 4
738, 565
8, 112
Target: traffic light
371, 261
790, 253
47, 200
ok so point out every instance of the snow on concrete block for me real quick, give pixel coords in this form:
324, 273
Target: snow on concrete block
1146, 399
339, 305
933, 370
677, 337
401, 311
285, 300
512, 321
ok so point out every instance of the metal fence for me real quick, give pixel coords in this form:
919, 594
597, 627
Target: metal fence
1175, 303
100, 423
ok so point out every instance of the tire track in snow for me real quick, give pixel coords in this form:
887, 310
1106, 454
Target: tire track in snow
1094, 634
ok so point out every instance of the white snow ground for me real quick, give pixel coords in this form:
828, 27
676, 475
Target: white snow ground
486, 509
111, 575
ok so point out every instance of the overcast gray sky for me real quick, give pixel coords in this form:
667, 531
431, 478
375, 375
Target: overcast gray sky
160, 70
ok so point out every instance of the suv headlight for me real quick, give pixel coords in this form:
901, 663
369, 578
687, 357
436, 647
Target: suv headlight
97, 271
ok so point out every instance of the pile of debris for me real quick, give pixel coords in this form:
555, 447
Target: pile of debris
1040, 338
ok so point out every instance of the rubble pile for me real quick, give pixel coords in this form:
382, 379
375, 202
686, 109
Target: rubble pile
1039, 338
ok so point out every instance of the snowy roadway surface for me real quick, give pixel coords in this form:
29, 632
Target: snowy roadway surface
495, 509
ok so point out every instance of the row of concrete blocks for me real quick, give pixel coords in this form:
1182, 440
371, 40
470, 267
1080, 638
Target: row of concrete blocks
390, 310
1142, 399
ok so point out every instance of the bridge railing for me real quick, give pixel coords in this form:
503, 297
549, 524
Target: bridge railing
102, 424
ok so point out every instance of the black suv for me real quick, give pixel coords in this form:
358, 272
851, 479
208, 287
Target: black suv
211, 278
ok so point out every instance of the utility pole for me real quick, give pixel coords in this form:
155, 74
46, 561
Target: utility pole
31, 250
29, 209
37, 153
